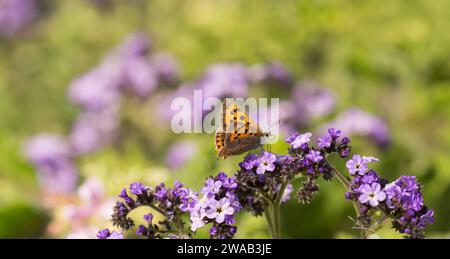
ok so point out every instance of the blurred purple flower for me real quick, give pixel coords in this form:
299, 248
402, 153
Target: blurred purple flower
51, 155
135, 45
162, 109
272, 72
180, 153
93, 130
141, 77
357, 122
91, 205
224, 80
312, 101
166, 67
15, 15
219, 81
98, 89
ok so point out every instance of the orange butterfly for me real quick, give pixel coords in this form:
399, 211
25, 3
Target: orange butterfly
238, 132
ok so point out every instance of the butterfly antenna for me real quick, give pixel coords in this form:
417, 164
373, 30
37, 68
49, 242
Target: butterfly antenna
276, 123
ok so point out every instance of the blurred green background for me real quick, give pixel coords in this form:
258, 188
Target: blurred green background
391, 59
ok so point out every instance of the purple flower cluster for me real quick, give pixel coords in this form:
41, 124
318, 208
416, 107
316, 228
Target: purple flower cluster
15, 15
127, 69
172, 203
405, 202
218, 206
259, 181
400, 200
311, 160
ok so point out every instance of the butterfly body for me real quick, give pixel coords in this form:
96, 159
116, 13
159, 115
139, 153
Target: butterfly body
238, 133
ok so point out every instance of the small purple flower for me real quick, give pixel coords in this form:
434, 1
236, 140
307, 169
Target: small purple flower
137, 188
314, 156
103, 234
393, 191
334, 133
427, 218
219, 209
189, 200
115, 235
230, 183
197, 219
148, 218
266, 163
106, 234
213, 231
325, 141
141, 230
371, 194
123, 194
211, 187
369, 178
250, 161
408, 183
161, 192
358, 164
297, 140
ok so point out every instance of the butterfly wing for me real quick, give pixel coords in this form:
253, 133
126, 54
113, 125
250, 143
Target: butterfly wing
238, 132
236, 121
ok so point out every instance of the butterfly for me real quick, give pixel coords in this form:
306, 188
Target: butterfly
238, 132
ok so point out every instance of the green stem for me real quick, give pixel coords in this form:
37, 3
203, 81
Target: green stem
345, 182
269, 220
276, 210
